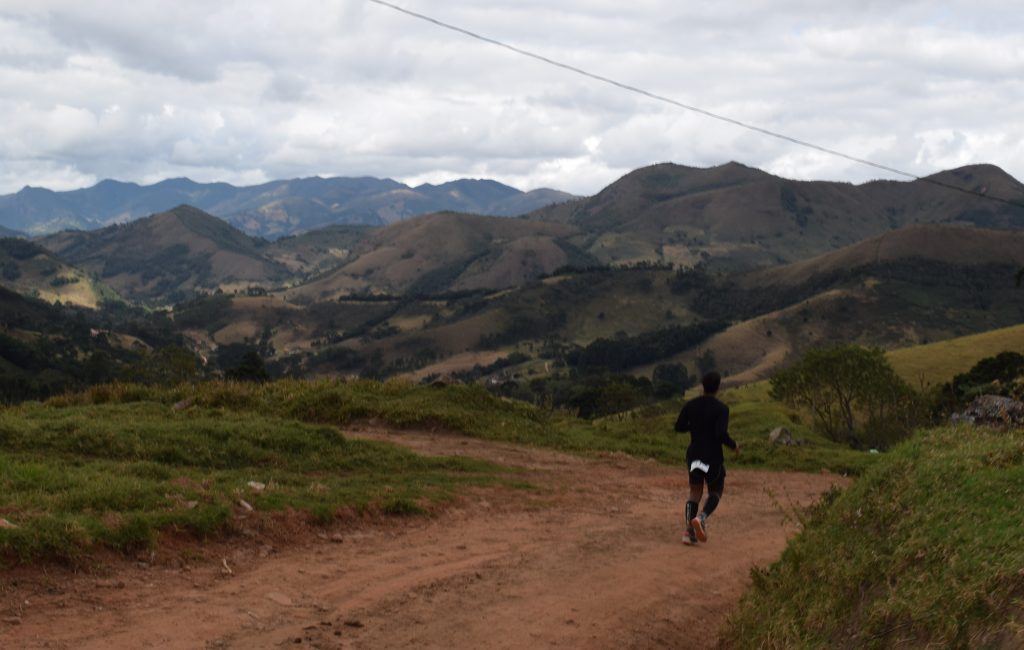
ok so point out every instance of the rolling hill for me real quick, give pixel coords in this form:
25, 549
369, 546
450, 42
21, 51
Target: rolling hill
318, 250
909, 287
270, 210
737, 217
954, 245
47, 349
448, 252
165, 257
30, 269
936, 363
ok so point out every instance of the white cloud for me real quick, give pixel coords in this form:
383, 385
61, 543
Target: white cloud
263, 90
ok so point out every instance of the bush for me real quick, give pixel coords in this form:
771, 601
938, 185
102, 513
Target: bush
992, 375
670, 379
250, 368
855, 395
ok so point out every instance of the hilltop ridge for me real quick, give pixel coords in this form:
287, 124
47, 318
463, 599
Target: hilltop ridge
739, 217
168, 255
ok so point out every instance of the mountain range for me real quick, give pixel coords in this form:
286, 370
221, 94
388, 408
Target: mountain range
270, 210
729, 217
773, 266
740, 217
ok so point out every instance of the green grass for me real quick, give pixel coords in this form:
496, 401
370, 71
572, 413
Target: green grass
937, 363
926, 549
115, 465
77, 476
470, 409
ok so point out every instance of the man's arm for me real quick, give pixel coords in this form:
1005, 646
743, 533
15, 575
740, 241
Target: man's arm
683, 421
723, 430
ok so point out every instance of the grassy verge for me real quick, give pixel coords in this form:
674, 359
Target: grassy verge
76, 476
926, 549
472, 410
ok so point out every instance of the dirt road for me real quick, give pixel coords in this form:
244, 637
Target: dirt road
590, 557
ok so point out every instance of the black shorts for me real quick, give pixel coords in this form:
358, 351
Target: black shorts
713, 475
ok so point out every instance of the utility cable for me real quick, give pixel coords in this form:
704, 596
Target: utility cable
688, 107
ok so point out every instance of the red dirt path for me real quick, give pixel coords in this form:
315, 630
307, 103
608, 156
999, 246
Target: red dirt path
590, 558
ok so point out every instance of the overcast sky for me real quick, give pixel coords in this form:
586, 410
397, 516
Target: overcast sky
251, 91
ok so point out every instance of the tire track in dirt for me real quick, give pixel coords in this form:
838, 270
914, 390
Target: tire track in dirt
591, 557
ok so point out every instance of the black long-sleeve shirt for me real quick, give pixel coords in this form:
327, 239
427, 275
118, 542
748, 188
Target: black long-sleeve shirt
707, 420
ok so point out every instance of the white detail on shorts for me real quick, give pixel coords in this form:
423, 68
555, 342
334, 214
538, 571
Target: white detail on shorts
704, 467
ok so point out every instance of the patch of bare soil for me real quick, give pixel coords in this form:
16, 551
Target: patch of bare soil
590, 557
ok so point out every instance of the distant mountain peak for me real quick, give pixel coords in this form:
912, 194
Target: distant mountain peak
271, 209
110, 182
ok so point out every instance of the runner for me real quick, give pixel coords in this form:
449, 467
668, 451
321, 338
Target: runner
707, 421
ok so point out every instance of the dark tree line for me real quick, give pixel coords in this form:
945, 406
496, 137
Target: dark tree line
619, 354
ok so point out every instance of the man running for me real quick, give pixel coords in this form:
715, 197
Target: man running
707, 421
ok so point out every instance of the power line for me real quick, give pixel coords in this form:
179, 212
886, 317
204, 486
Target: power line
695, 109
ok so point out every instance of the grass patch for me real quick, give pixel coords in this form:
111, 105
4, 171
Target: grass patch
470, 409
75, 476
925, 549
937, 363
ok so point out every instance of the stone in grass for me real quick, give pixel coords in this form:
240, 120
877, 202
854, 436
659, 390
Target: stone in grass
992, 410
781, 436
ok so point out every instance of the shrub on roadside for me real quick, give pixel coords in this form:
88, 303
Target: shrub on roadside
854, 395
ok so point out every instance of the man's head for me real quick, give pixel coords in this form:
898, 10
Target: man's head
711, 381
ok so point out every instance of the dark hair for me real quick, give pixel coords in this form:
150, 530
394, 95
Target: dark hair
711, 381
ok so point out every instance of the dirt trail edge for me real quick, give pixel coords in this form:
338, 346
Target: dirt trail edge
590, 557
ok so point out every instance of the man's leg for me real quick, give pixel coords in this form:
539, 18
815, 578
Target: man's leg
716, 486
693, 503
711, 503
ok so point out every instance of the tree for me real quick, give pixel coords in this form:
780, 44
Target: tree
670, 379
854, 394
166, 366
250, 368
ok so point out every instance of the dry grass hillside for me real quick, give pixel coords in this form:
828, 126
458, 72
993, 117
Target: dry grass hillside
937, 363
956, 245
165, 257
447, 251
319, 250
31, 270
902, 289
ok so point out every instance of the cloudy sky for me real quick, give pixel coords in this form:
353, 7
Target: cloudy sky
246, 92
